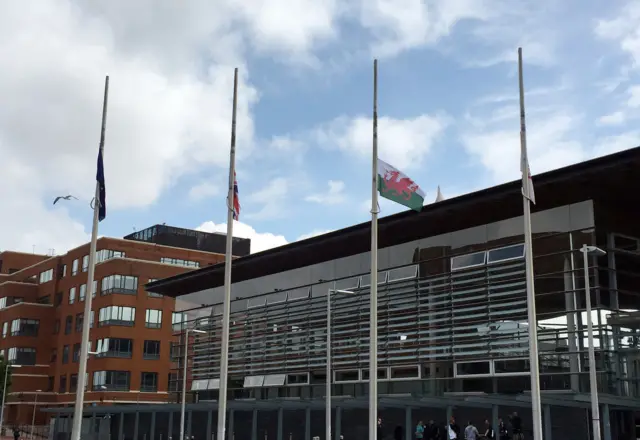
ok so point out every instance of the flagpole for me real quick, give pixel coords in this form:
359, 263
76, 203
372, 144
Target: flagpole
226, 308
373, 317
84, 348
531, 301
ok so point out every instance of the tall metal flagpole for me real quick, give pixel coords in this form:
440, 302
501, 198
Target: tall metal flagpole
373, 318
531, 300
226, 308
84, 345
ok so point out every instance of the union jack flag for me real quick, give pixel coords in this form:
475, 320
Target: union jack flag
236, 198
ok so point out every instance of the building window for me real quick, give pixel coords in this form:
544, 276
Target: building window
153, 318
56, 327
83, 291
153, 294
117, 315
111, 380
68, 324
54, 355
25, 327
151, 350
5, 329
119, 284
74, 267
79, 322
73, 383
92, 318
72, 295
172, 383
179, 262
107, 254
64, 270
468, 260
114, 347
44, 299
57, 299
46, 276
65, 354
63, 384
76, 352
177, 320
22, 355
50, 381
85, 263
149, 382
505, 253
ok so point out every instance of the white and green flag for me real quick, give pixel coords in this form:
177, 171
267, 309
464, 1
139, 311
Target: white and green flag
396, 186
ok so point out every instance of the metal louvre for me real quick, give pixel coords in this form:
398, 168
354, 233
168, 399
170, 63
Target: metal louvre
473, 313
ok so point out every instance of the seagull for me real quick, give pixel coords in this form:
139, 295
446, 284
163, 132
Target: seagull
69, 197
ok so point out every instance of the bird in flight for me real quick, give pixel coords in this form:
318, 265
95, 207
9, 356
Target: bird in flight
69, 197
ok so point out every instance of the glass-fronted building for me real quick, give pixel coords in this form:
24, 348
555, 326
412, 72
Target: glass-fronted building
453, 327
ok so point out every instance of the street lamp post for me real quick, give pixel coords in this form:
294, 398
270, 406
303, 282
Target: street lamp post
4, 391
184, 379
33, 417
328, 384
593, 381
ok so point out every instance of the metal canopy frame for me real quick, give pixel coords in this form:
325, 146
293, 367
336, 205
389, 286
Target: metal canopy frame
477, 400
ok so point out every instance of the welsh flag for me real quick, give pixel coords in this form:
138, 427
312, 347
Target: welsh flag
396, 186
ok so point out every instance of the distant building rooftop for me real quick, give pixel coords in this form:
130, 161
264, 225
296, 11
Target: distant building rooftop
191, 239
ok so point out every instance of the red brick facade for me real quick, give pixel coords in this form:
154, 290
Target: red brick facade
24, 296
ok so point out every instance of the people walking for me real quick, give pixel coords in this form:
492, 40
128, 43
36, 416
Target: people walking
420, 430
503, 432
471, 432
489, 433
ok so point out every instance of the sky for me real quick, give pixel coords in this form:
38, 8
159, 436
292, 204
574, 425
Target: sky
447, 105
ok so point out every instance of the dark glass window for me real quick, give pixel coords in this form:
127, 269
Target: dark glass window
151, 350
68, 324
149, 382
112, 380
114, 347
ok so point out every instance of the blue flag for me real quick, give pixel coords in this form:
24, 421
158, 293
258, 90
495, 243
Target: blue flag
102, 202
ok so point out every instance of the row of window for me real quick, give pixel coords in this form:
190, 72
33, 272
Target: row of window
123, 284
21, 327
492, 256
110, 348
109, 381
110, 315
108, 254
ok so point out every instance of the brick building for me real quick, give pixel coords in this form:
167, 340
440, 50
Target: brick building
42, 300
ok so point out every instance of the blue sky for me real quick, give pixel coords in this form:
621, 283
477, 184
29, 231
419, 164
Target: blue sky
447, 105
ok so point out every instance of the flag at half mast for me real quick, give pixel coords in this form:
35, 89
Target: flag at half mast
394, 185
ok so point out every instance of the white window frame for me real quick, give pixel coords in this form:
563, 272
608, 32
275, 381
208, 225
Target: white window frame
518, 373
355, 370
392, 379
300, 383
484, 261
506, 259
471, 376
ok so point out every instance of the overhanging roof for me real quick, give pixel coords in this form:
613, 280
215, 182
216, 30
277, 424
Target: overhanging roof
478, 400
614, 174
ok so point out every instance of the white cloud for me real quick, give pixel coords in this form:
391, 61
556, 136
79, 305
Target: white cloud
401, 142
272, 198
203, 190
399, 25
551, 144
260, 241
334, 196
615, 118
625, 30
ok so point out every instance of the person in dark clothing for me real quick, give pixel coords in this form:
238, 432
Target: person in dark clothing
503, 433
380, 428
453, 431
16, 433
516, 426
397, 433
432, 432
489, 433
